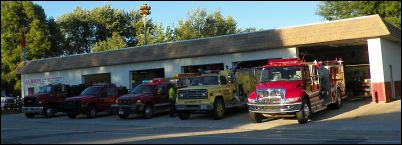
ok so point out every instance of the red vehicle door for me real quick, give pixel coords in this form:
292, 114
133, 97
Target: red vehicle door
111, 96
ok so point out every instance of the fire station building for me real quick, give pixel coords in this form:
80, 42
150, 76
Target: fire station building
369, 47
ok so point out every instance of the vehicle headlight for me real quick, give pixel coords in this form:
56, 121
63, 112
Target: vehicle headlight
288, 100
182, 95
251, 100
40, 102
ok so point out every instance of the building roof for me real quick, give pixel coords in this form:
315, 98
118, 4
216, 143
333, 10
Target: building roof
359, 28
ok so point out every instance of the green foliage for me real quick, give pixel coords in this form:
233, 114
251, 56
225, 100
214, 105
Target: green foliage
15, 16
200, 24
113, 43
77, 31
388, 10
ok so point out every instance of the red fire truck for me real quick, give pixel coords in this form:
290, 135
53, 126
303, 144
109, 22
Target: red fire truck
295, 87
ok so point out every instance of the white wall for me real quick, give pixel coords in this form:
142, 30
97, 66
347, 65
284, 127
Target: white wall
382, 53
120, 74
375, 59
391, 54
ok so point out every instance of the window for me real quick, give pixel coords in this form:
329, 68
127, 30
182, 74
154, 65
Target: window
110, 91
30, 91
288, 73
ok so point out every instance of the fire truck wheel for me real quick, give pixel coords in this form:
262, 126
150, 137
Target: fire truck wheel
147, 112
91, 111
48, 112
29, 115
338, 103
71, 116
123, 116
256, 117
219, 109
183, 115
303, 115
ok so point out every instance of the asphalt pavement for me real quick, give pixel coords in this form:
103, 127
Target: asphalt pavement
359, 121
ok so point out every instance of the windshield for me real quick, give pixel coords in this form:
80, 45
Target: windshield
205, 80
289, 73
45, 89
142, 89
91, 91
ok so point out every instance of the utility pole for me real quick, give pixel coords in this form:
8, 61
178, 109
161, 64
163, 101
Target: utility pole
24, 49
145, 10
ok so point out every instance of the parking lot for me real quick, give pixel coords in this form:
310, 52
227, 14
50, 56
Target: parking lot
359, 121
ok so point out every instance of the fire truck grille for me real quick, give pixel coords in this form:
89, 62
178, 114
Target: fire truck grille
270, 96
30, 101
193, 94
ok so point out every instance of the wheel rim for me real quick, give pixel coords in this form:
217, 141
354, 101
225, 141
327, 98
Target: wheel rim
306, 110
148, 111
339, 99
49, 111
93, 112
219, 109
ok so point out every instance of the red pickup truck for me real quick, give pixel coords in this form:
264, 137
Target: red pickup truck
47, 100
94, 99
145, 99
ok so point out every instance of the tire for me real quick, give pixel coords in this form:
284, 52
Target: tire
184, 115
304, 113
48, 112
219, 109
71, 116
91, 111
29, 115
147, 112
338, 104
123, 116
256, 117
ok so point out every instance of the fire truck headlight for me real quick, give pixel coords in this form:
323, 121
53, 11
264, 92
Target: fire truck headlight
294, 99
251, 100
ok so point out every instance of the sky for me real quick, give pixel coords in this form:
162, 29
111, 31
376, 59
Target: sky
259, 14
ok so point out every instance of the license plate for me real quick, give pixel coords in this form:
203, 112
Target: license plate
29, 109
121, 112
203, 106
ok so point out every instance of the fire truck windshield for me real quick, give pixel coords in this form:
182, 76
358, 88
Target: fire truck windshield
45, 89
205, 80
282, 73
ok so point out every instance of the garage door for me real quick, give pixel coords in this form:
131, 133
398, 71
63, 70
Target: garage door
96, 78
139, 76
204, 67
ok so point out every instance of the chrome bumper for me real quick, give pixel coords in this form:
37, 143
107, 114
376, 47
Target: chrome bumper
32, 109
194, 107
274, 108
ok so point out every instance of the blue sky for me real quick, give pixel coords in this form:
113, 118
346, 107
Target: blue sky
259, 14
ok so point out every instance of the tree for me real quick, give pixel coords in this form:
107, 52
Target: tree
388, 10
77, 31
16, 16
113, 43
200, 24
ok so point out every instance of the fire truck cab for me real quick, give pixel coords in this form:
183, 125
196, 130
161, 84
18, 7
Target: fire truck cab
295, 87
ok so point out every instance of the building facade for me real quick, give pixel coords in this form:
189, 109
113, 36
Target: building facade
369, 46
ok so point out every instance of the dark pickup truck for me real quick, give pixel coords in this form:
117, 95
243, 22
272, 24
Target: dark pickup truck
94, 99
145, 99
47, 100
